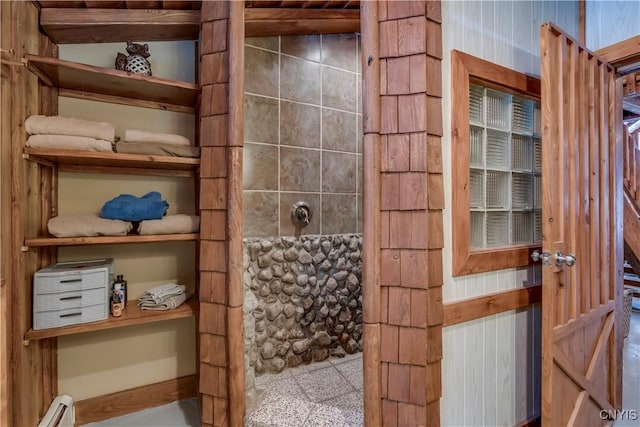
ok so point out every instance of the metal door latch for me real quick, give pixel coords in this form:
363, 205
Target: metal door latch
545, 257
559, 257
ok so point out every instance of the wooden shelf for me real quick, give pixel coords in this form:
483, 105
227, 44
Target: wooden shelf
93, 161
111, 85
132, 315
66, 25
107, 240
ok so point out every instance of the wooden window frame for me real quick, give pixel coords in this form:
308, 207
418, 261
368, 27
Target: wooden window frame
466, 69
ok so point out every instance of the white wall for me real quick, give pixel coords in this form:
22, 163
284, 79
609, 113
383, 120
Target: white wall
490, 365
609, 22
103, 362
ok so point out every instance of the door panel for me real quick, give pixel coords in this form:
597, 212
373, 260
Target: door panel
582, 217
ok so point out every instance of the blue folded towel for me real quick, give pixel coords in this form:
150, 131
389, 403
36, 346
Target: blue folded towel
131, 208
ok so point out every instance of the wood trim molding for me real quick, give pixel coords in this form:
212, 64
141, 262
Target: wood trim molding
260, 22
622, 53
490, 304
467, 68
135, 399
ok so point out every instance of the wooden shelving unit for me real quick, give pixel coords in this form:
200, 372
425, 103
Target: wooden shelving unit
115, 86
107, 240
132, 315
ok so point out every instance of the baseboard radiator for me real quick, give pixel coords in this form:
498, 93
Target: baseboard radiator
60, 413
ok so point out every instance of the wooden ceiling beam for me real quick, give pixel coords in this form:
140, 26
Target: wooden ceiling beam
116, 25
261, 22
623, 53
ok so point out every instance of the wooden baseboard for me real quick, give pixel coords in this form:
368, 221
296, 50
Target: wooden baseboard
487, 305
135, 399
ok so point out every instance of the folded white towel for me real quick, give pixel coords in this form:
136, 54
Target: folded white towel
87, 225
135, 135
68, 142
58, 125
167, 303
170, 224
159, 293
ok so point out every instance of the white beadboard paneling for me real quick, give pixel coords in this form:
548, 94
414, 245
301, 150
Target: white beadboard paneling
503, 40
550, 11
537, 356
537, 16
525, 48
522, 370
490, 356
473, 31
609, 22
505, 368
488, 31
569, 18
474, 375
452, 404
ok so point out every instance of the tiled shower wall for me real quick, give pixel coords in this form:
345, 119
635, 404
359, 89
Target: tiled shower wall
302, 133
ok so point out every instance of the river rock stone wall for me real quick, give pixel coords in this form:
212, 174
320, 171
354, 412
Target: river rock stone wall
303, 301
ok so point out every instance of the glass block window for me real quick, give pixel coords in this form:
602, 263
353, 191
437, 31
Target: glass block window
505, 153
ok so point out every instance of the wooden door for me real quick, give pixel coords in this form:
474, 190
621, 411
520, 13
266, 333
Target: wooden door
582, 217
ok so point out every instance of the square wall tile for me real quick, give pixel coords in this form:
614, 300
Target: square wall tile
299, 169
339, 130
338, 213
287, 200
338, 89
260, 119
261, 71
271, 43
305, 47
338, 172
299, 80
339, 50
260, 214
299, 124
260, 167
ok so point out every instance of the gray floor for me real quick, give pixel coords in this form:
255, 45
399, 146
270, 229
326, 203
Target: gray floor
177, 414
330, 394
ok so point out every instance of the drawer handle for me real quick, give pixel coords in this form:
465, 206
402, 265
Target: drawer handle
71, 315
70, 298
70, 280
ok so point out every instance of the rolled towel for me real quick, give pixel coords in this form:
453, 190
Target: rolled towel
68, 142
131, 208
58, 125
171, 224
87, 225
135, 135
157, 149
167, 303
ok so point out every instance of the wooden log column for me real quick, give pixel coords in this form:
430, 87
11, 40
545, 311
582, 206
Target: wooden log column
402, 90
221, 382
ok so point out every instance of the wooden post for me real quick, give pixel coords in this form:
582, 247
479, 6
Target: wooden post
403, 212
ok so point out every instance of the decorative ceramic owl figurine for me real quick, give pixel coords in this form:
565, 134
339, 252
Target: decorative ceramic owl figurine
137, 61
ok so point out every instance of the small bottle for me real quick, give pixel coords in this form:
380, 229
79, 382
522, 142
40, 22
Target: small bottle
116, 306
123, 287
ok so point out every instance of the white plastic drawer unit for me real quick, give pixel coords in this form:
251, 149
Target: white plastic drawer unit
69, 293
